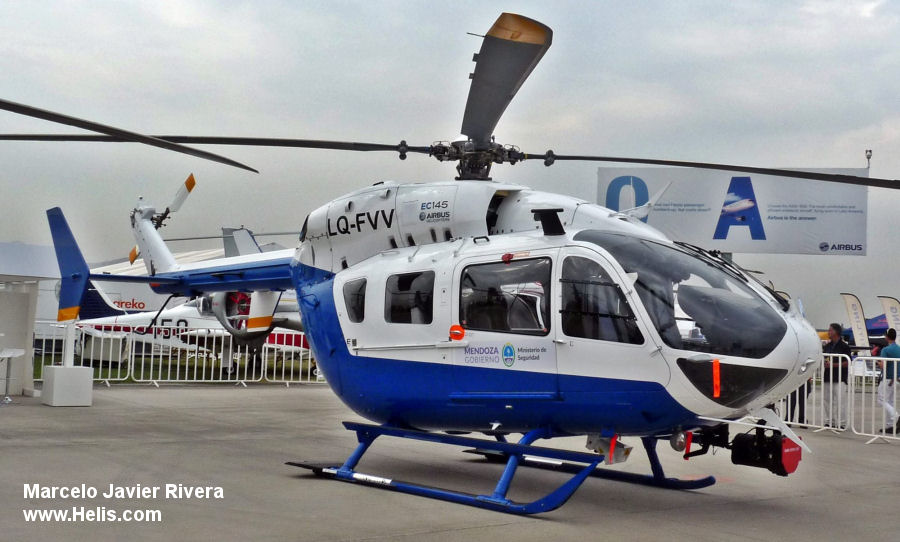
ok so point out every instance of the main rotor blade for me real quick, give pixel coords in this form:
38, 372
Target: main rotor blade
124, 135
220, 236
225, 140
550, 157
510, 51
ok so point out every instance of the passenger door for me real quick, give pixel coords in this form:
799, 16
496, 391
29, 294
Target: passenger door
504, 304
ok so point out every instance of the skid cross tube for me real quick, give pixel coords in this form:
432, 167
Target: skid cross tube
366, 435
657, 479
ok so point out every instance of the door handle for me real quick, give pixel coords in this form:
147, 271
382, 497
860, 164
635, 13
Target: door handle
559, 341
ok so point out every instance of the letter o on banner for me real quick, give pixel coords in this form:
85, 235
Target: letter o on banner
614, 192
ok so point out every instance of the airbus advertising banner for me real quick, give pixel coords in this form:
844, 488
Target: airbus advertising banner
735, 212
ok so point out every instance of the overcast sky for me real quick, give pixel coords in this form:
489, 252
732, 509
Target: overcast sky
783, 84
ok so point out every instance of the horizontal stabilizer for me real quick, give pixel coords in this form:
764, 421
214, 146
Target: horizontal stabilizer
133, 278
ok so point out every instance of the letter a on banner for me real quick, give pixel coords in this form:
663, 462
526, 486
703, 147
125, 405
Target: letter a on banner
891, 310
857, 320
740, 208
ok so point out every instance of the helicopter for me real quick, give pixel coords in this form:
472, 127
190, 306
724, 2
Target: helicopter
445, 309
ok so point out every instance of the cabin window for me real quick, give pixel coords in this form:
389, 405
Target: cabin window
355, 300
511, 297
593, 304
408, 298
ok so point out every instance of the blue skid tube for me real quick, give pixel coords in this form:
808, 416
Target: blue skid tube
498, 501
514, 455
657, 479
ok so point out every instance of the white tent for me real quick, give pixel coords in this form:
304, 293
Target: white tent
22, 266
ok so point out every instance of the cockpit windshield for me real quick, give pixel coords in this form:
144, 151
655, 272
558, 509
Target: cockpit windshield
695, 303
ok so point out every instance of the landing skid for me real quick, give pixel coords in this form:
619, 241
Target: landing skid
658, 479
522, 452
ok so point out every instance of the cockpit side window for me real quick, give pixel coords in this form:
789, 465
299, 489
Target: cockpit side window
695, 303
511, 297
408, 298
593, 306
355, 300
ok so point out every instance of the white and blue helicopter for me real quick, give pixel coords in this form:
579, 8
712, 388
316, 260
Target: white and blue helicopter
473, 306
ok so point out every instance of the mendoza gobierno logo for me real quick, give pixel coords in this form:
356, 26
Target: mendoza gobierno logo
508, 354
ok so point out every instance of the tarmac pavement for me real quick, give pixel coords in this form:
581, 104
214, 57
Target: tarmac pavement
239, 439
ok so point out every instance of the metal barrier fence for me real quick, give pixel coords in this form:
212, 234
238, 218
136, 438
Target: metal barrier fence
288, 366
845, 394
177, 355
822, 401
873, 409
107, 353
195, 355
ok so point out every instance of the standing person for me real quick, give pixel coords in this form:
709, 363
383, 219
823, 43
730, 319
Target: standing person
834, 379
888, 381
797, 402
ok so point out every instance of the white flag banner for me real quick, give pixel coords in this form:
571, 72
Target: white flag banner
857, 320
891, 310
737, 212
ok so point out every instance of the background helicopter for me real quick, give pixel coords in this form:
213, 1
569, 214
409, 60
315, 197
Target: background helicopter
509, 53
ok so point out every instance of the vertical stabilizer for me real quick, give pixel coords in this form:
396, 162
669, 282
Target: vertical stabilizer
73, 270
244, 242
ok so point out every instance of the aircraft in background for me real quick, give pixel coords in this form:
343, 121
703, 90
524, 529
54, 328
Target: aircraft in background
196, 324
738, 206
215, 322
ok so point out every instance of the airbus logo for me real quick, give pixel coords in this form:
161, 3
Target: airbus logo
844, 247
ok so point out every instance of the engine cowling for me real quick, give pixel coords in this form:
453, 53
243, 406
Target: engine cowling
232, 309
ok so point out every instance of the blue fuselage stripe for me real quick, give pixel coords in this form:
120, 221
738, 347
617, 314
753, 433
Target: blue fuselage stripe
441, 396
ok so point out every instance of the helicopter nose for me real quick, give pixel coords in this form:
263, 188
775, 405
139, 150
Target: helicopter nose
802, 367
745, 385
809, 350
